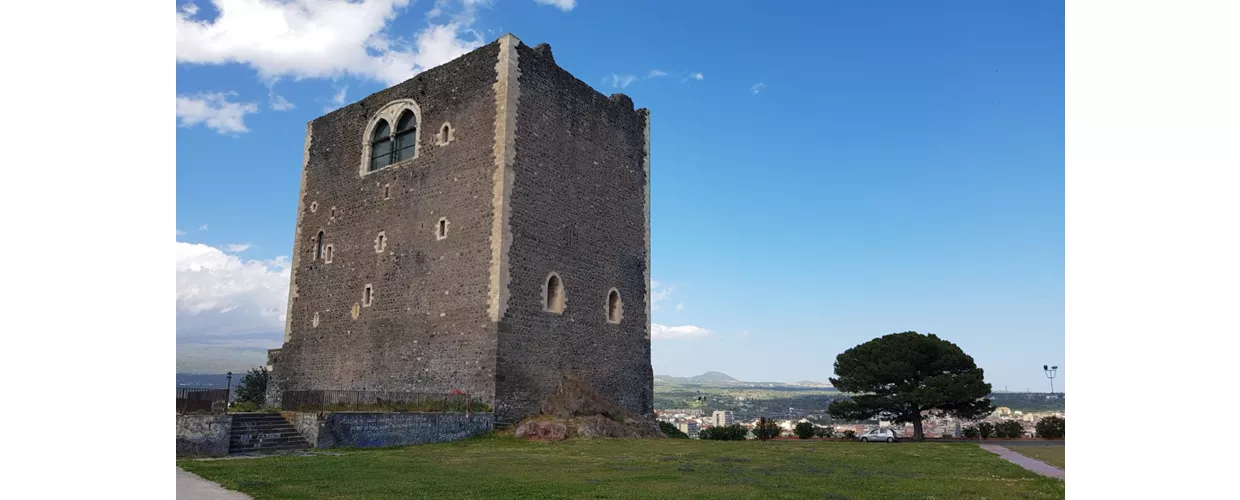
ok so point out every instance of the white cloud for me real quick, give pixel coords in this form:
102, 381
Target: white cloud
238, 247
219, 294
279, 103
215, 111
743, 334
320, 39
337, 99
697, 76
663, 332
202, 227
564, 5
622, 81
658, 293
189, 9
680, 306
655, 72
180, 232
757, 86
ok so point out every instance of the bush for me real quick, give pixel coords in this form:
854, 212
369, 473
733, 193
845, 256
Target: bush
766, 429
1009, 429
824, 432
1050, 428
253, 386
850, 434
671, 430
971, 432
804, 430
734, 432
986, 429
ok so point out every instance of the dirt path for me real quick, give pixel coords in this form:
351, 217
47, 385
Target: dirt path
1035, 466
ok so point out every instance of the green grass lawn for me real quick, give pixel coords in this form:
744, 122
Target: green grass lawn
506, 467
1051, 454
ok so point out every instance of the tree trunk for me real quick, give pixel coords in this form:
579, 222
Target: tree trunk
917, 434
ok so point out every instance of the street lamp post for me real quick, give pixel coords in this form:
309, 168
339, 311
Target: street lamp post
1050, 375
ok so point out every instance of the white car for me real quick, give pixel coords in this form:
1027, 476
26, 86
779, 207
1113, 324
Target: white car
879, 435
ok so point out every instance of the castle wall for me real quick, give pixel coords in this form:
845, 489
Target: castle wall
428, 329
578, 208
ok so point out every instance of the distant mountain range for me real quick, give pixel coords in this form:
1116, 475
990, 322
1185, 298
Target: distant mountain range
720, 377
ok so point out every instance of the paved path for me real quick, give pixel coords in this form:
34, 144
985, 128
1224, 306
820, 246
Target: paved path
1035, 466
192, 487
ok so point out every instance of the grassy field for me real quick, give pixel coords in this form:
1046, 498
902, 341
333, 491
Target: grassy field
1052, 455
506, 467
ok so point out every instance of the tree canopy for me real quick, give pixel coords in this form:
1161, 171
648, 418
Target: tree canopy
898, 376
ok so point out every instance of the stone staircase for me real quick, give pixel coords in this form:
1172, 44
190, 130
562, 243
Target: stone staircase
263, 433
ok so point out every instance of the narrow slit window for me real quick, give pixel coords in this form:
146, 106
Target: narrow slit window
380, 242
615, 306
444, 133
554, 299
441, 230
328, 252
318, 246
387, 191
368, 296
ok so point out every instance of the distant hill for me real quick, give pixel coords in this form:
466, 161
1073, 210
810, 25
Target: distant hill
713, 377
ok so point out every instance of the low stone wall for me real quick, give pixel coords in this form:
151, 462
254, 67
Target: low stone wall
378, 430
203, 435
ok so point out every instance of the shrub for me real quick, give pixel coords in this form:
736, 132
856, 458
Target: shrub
850, 434
971, 432
734, 432
987, 429
1050, 428
766, 429
671, 430
824, 432
253, 387
1009, 429
804, 430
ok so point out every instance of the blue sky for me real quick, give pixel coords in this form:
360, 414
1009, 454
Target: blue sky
823, 173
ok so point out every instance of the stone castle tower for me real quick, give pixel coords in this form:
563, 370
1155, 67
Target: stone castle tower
482, 227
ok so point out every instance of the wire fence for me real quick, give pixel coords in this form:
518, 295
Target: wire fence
379, 401
192, 400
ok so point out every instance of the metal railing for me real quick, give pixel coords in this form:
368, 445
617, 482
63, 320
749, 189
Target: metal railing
379, 401
193, 400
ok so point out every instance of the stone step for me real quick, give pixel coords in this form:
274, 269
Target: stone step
268, 443
263, 432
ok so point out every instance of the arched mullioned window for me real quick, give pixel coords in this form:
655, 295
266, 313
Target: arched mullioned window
381, 146
406, 137
392, 135
318, 246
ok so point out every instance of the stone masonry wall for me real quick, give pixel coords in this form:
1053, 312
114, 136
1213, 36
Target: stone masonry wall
203, 435
428, 329
579, 210
377, 430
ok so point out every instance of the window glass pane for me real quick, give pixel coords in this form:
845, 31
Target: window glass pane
378, 163
381, 130
381, 148
405, 122
405, 139
403, 154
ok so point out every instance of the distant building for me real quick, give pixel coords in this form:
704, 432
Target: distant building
722, 418
688, 427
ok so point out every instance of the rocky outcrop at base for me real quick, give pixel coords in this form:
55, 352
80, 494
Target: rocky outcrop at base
577, 411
